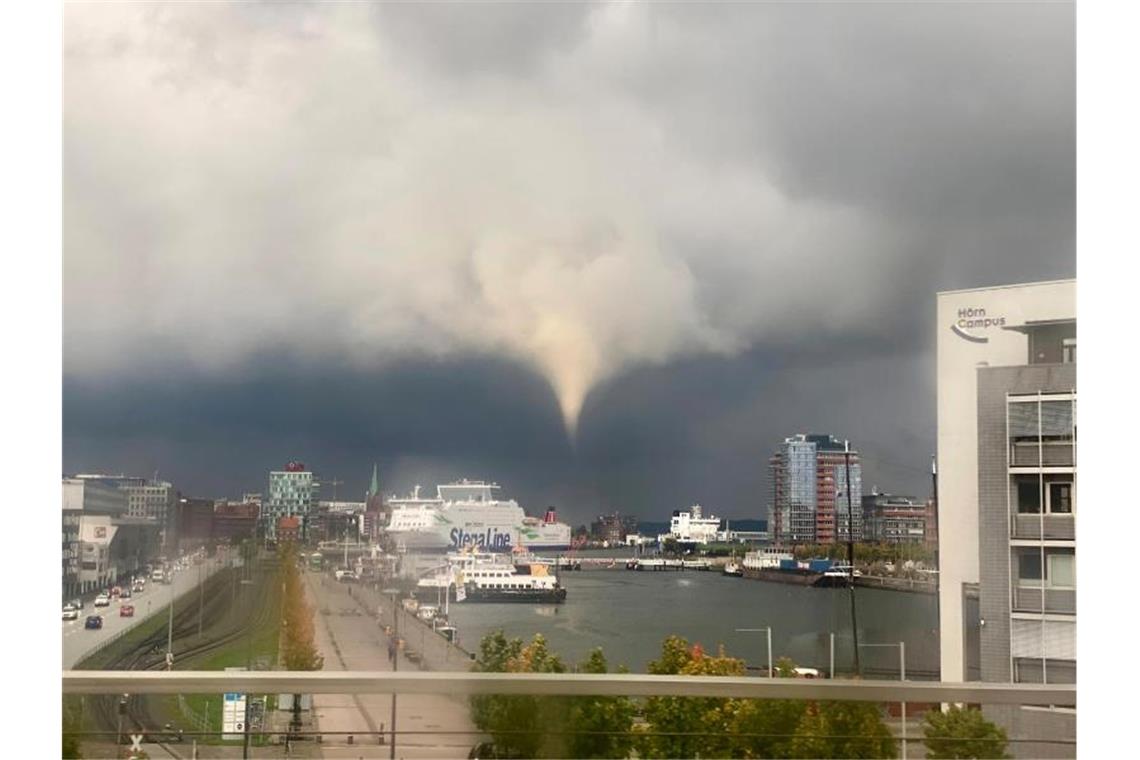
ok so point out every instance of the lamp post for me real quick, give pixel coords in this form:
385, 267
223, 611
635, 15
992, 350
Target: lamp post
768, 631
170, 628
248, 666
902, 677
393, 593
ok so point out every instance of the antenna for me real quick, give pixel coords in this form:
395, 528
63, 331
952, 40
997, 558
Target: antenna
334, 483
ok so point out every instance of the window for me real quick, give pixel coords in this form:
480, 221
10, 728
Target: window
1069, 350
1062, 570
1029, 568
1028, 496
1060, 498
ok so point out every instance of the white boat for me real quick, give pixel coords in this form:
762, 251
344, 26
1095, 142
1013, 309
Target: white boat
468, 514
767, 558
732, 568
510, 582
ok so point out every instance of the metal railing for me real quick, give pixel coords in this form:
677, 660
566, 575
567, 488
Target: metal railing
566, 684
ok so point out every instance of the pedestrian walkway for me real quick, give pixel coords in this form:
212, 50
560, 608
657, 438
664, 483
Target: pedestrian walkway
349, 639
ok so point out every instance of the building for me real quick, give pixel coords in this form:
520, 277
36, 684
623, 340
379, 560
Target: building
375, 513
288, 530
892, 519
102, 543
1007, 497
809, 491
235, 521
292, 493
613, 528
150, 499
692, 527
336, 521
195, 521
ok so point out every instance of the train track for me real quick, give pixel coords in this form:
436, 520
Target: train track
223, 624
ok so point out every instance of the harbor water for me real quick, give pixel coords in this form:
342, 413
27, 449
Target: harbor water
629, 613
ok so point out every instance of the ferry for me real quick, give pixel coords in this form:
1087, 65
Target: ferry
468, 514
511, 582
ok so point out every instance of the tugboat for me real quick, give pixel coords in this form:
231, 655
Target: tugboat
733, 569
501, 582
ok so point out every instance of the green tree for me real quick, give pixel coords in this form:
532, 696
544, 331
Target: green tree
963, 733
764, 727
601, 725
690, 726
843, 729
524, 725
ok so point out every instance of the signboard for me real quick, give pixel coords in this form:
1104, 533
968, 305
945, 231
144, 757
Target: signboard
233, 714
460, 593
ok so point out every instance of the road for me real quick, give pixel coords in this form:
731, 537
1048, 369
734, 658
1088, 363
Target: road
78, 642
351, 641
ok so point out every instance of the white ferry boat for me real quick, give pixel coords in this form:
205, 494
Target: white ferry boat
468, 514
511, 582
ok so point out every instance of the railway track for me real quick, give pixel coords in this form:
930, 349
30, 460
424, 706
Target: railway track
224, 622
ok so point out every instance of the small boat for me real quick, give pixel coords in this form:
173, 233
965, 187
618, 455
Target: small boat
733, 569
502, 582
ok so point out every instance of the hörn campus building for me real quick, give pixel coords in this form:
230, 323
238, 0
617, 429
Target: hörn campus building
1006, 469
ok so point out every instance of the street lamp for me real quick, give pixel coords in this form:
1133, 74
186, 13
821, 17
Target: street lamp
248, 666
393, 593
767, 630
902, 677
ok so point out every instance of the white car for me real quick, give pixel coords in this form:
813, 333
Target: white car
102, 601
70, 612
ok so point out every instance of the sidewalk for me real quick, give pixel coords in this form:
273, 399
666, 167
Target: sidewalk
349, 639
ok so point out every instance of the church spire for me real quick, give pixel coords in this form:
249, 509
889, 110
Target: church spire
374, 488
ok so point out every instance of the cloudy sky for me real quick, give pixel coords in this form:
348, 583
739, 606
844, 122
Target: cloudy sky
608, 255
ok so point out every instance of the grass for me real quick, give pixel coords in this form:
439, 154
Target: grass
260, 646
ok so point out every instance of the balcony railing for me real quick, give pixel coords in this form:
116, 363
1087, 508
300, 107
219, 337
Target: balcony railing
1030, 599
1047, 527
566, 684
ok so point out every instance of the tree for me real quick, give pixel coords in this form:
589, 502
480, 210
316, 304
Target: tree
690, 726
601, 725
525, 725
298, 648
963, 733
765, 727
843, 729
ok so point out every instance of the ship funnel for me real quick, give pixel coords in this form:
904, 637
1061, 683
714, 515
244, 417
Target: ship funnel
551, 516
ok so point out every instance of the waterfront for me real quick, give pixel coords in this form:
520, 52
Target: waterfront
628, 614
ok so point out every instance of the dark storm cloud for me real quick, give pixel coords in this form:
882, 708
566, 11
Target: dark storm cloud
682, 231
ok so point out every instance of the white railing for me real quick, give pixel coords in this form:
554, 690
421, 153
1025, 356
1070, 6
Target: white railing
574, 684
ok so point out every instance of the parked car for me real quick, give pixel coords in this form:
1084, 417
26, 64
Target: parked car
102, 601
127, 610
70, 612
94, 622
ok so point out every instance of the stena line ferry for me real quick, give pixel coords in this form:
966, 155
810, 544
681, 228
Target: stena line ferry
468, 514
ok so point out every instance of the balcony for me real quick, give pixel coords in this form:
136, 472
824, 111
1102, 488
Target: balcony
1056, 600
447, 740
1051, 454
1044, 528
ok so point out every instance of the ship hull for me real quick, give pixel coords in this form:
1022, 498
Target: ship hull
517, 596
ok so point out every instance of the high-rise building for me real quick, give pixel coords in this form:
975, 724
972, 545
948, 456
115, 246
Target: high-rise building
292, 493
1006, 496
892, 519
809, 491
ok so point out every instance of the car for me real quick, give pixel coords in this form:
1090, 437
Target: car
70, 612
127, 610
126, 594
116, 592
94, 622
77, 603
102, 601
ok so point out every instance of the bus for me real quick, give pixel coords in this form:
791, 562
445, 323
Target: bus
315, 560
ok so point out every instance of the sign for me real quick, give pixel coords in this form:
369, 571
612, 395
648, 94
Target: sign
971, 318
233, 714
460, 593
136, 742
